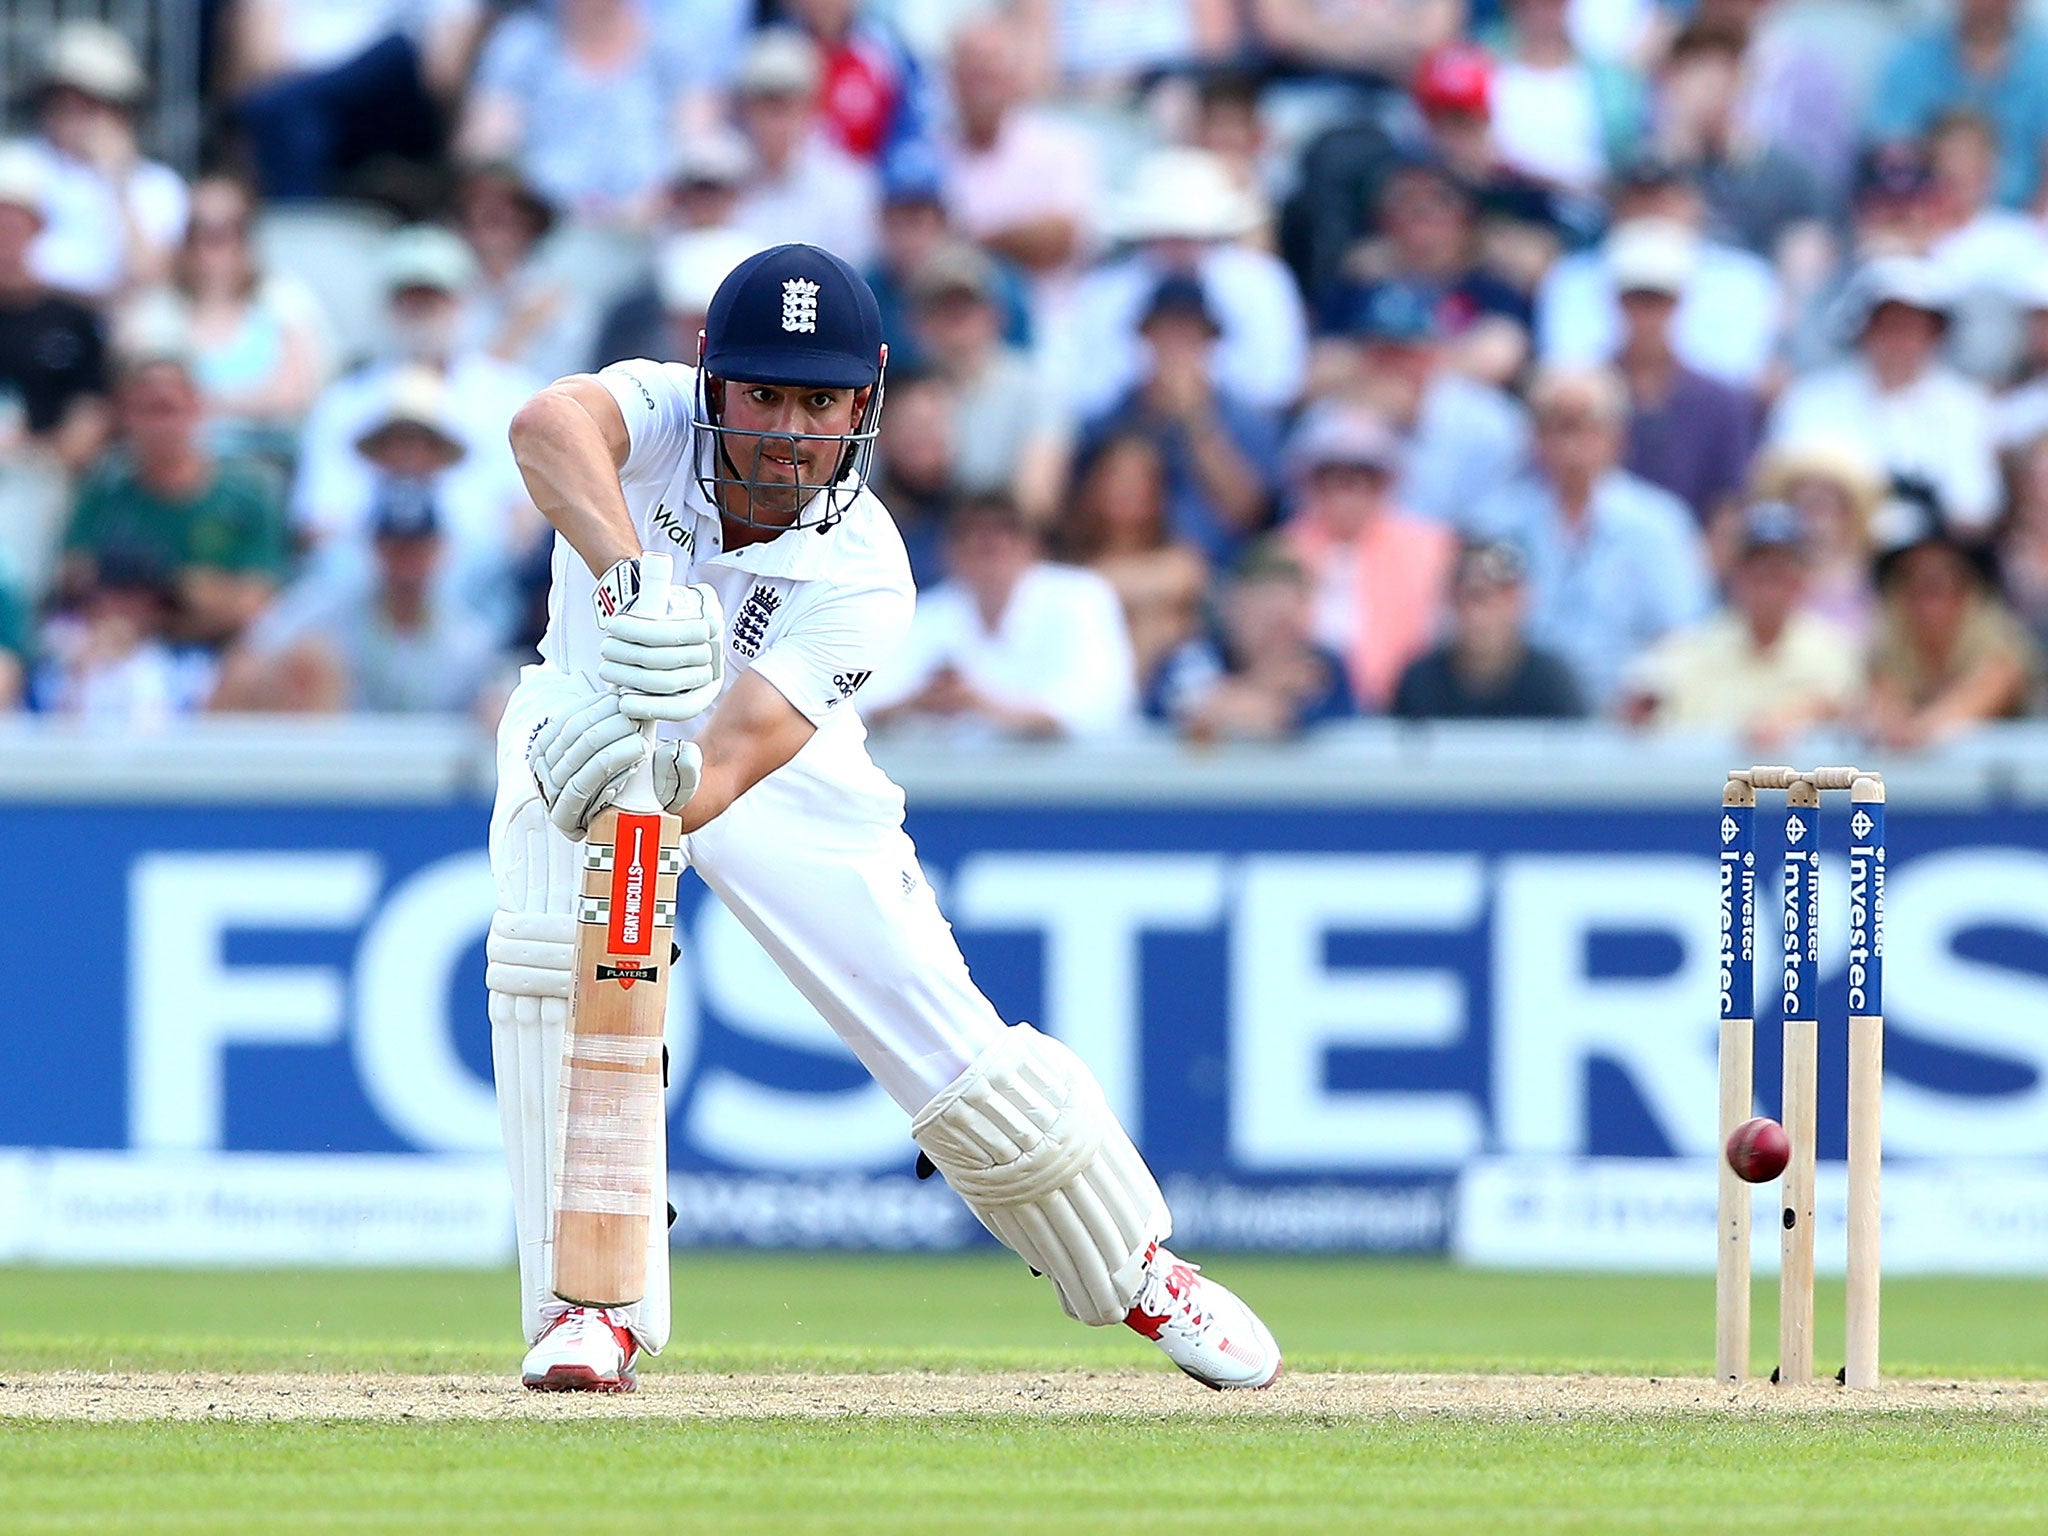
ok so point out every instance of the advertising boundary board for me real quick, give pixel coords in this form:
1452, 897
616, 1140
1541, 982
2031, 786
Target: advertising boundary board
1407, 1029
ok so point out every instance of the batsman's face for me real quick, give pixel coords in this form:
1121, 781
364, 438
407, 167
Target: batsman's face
798, 452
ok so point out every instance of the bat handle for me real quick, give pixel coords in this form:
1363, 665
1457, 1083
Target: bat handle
657, 571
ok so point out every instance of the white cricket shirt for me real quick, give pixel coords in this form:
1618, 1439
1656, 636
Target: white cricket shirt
814, 612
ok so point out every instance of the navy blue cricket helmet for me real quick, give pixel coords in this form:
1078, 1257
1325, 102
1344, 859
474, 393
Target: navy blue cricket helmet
796, 316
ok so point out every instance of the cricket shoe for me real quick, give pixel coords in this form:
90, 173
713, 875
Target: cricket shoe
583, 1350
1203, 1328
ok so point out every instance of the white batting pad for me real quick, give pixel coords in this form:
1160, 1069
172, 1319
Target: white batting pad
529, 960
1025, 1137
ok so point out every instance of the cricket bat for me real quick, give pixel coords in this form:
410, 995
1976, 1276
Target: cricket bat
612, 1179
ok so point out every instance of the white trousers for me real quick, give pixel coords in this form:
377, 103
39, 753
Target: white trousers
815, 864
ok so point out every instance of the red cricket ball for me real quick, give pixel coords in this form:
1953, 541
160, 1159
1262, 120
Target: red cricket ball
1758, 1150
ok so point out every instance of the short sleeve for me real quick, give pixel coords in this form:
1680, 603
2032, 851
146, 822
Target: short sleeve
657, 401
821, 662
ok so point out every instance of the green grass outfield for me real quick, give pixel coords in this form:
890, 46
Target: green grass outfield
1918, 1471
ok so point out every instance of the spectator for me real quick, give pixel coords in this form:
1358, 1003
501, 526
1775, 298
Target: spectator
1988, 254
1264, 677
1220, 451
1427, 238
326, 86
1984, 60
1766, 666
802, 185
876, 100
1614, 563
1486, 669
1687, 433
1185, 218
109, 659
1896, 401
1797, 91
1010, 645
1728, 323
1119, 529
484, 515
1895, 212
381, 640
586, 98
1949, 654
2023, 539
114, 218
52, 349
914, 228
1101, 48
534, 320
1374, 38
1835, 490
706, 179
703, 198
1229, 124
1460, 438
1009, 437
1453, 94
1559, 116
1757, 196
214, 527
1018, 181
2020, 413
1523, 223
1377, 573
914, 466
258, 339
687, 272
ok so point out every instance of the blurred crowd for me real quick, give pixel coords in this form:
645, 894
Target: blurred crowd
1680, 362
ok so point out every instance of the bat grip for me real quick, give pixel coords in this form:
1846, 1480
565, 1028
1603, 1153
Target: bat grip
656, 573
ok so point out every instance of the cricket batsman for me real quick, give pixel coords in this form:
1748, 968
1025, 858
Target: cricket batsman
792, 586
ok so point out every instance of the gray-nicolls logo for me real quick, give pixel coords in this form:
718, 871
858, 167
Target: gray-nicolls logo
1728, 829
800, 305
750, 624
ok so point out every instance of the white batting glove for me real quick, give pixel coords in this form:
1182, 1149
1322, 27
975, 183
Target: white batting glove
582, 761
666, 666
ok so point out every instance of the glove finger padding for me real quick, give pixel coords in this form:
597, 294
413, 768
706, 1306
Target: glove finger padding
669, 682
581, 762
650, 655
677, 692
1026, 1139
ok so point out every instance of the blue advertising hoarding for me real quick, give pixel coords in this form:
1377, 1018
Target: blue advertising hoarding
1318, 1021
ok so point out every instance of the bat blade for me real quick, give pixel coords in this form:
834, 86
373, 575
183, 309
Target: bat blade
610, 1185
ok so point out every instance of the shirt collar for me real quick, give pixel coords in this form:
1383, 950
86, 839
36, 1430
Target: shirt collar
799, 554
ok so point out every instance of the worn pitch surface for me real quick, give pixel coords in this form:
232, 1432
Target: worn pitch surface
144, 1396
